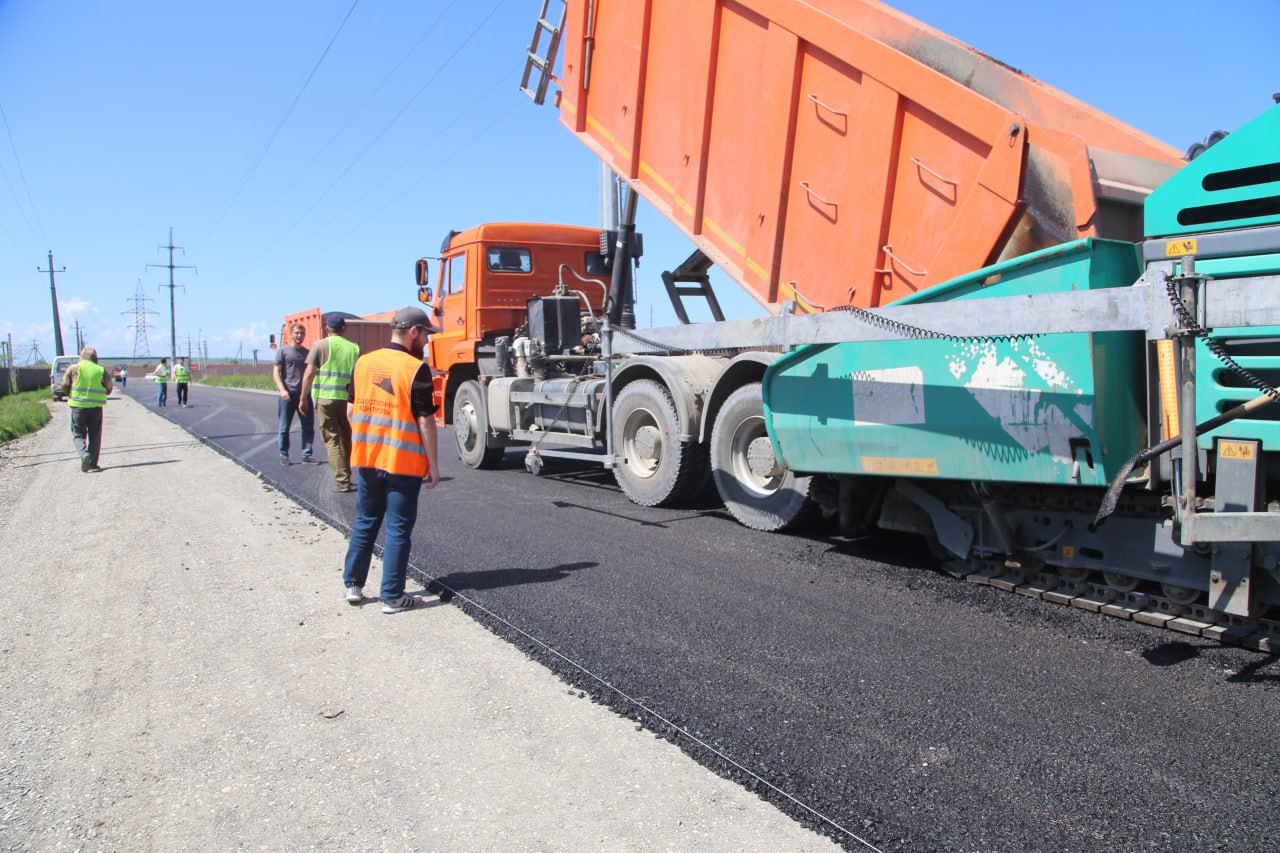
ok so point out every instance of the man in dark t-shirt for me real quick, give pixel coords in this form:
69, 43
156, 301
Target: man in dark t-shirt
291, 362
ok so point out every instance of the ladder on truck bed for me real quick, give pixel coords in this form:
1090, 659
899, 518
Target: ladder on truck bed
544, 63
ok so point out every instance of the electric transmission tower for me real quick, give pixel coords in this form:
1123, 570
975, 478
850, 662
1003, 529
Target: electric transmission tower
173, 331
140, 323
33, 354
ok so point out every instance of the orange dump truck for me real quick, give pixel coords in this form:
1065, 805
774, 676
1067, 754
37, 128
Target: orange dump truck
980, 308
370, 332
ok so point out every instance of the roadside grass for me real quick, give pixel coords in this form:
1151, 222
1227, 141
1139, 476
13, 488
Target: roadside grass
21, 414
262, 381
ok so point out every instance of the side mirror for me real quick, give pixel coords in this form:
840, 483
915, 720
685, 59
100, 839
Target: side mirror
421, 274
424, 294
273, 341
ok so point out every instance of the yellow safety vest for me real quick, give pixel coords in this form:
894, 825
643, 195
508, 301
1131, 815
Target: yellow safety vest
88, 391
334, 376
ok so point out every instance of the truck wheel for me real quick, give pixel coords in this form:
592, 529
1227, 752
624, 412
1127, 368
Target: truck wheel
471, 428
756, 490
655, 468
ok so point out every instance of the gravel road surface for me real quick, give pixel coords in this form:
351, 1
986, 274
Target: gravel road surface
178, 671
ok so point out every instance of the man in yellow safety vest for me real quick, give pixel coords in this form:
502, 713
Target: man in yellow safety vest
330, 365
182, 376
86, 385
161, 374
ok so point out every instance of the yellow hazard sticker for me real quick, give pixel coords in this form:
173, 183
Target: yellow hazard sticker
1068, 552
1178, 248
899, 465
1244, 450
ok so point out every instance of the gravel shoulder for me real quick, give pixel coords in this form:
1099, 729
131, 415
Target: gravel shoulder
178, 671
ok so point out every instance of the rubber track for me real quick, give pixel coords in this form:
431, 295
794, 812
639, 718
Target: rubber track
1262, 635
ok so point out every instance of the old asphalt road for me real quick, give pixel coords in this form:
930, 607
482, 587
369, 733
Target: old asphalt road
178, 671
916, 711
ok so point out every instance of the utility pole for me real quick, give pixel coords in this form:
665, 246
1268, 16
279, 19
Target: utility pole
173, 332
53, 290
79, 337
11, 364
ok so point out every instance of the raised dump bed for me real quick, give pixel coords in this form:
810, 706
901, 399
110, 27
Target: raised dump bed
841, 153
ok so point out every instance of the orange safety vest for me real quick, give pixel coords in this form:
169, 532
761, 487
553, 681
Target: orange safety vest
384, 434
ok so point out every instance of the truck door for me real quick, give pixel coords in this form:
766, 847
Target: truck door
450, 310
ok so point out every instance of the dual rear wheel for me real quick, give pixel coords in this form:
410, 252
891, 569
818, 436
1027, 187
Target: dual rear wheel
656, 468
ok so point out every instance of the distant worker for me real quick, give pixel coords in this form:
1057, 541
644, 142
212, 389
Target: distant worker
291, 361
182, 375
86, 385
124, 377
330, 366
394, 450
162, 379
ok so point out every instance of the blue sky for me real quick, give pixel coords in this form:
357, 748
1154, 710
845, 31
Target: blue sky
125, 119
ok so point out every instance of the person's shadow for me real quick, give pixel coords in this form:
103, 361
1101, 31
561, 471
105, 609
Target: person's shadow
455, 582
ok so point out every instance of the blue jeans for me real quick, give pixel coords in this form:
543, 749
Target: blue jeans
382, 495
163, 394
286, 409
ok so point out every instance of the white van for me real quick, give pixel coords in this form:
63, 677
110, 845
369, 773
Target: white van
59, 367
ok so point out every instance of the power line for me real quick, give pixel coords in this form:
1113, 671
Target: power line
208, 233
462, 44
441, 131
18, 204
351, 119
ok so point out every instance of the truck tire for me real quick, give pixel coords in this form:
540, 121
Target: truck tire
655, 468
755, 489
471, 427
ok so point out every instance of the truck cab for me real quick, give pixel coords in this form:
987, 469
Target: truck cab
486, 277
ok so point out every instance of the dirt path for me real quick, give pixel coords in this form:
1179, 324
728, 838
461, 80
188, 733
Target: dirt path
178, 671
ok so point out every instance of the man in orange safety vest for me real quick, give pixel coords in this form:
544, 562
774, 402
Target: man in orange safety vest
393, 452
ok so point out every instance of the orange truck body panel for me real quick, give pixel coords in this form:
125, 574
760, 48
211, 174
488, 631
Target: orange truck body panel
837, 152
370, 332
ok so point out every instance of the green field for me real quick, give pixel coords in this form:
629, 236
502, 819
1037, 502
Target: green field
259, 380
23, 413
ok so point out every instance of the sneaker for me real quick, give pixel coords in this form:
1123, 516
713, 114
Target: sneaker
284, 460
344, 488
85, 464
355, 594
309, 460
401, 604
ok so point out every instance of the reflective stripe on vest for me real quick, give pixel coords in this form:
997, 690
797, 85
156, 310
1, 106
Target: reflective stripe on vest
384, 433
162, 374
88, 392
181, 373
334, 376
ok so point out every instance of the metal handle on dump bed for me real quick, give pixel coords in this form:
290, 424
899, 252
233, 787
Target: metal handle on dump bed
888, 251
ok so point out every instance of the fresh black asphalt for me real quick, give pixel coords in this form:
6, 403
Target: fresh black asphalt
848, 681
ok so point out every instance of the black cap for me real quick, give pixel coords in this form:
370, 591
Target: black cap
336, 322
407, 318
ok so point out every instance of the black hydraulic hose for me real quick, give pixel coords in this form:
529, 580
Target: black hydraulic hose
1112, 497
